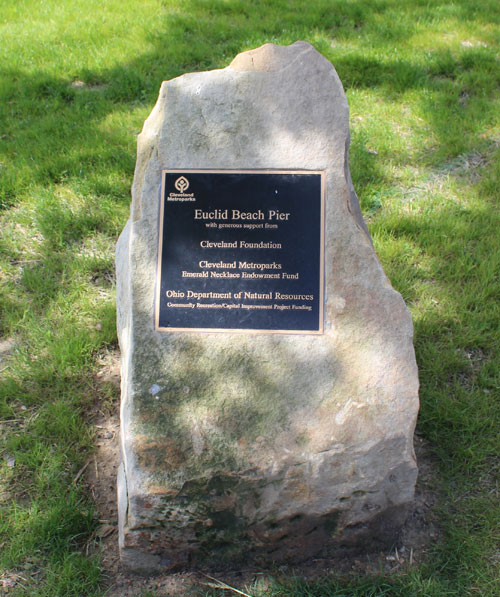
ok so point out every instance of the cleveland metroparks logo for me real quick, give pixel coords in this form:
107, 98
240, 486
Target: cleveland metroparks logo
181, 184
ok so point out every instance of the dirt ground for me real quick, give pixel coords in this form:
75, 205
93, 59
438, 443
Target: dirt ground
418, 534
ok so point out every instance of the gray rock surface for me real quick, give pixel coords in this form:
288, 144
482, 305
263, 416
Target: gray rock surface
266, 447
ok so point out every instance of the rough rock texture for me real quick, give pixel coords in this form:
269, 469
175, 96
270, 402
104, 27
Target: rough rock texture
265, 447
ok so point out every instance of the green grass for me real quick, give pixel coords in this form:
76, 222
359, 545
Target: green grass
77, 80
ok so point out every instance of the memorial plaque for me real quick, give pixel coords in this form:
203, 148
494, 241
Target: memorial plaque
241, 251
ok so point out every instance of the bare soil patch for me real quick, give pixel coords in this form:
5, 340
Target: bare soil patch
417, 536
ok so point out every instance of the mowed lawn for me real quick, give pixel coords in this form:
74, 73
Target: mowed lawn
77, 80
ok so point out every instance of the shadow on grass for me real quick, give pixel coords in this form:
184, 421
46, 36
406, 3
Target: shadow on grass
54, 128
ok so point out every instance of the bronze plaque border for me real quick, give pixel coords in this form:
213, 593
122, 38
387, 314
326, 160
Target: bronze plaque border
319, 332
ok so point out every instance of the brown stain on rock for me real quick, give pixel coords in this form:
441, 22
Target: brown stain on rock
154, 454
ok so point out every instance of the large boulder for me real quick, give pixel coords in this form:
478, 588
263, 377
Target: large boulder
271, 447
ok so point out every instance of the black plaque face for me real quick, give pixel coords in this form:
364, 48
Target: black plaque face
241, 251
